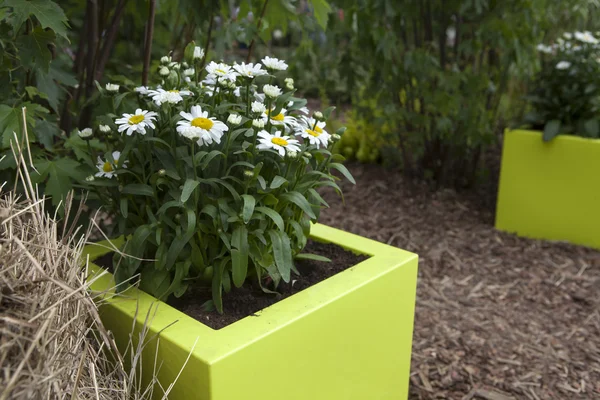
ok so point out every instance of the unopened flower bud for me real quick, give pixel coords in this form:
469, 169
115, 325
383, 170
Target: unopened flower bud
189, 72
307, 154
258, 123
90, 178
198, 53
318, 115
165, 60
163, 71
292, 154
335, 137
162, 172
177, 66
85, 133
104, 128
234, 119
185, 65
248, 173
112, 88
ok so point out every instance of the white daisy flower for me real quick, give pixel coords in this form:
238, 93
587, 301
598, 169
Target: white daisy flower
568, 35
258, 107
281, 119
85, 133
544, 49
279, 143
274, 64
249, 70
234, 119
314, 131
136, 122
198, 53
104, 128
586, 37
198, 126
107, 169
141, 90
220, 71
258, 123
189, 72
563, 65
112, 88
160, 96
271, 91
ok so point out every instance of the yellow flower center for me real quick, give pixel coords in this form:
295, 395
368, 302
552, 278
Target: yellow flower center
278, 117
318, 129
203, 123
136, 119
313, 133
221, 71
107, 167
173, 91
279, 141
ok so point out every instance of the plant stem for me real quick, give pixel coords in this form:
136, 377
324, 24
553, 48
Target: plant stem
207, 45
148, 41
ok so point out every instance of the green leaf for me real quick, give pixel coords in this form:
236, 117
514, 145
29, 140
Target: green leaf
282, 252
188, 189
60, 172
551, 130
217, 286
210, 157
139, 189
299, 200
321, 9
180, 241
318, 197
239, 255
124, 206
9, 122
248, 210
342, 168
274, 215
277, 182
315, 257
47, 12
33, 49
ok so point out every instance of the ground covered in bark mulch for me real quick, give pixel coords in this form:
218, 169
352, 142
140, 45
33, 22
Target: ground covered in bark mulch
498, 317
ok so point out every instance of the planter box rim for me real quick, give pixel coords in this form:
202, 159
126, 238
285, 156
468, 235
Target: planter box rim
213, 345
558, 138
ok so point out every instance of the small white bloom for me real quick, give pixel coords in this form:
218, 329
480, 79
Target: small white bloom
85, 133
274, 64
163, 71
258, 107
141, 90
289, 83
271, 91
563, 65
220, 71
198, 53
136, 122
160, 96
165, 59
104, 128
90, 178
313, 131
258, 123
277, 34
289, 80
277, 142
196, 125
107, 169
234, 119
586, 37
542, 48
318, 115
250, 70
111, 87
189, 72
568, 35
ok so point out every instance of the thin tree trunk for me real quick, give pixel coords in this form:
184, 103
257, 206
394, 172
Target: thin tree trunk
259, 24
148, 48
110, 37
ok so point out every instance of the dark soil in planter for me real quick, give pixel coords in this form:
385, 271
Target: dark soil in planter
249, 299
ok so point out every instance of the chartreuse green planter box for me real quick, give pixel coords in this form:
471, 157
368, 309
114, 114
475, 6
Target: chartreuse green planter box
550, 190
347, 337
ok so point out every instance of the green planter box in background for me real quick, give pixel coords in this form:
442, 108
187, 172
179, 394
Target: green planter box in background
348, 337
550, 190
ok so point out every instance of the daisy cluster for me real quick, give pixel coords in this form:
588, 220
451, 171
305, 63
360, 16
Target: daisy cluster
283, 127
576, 44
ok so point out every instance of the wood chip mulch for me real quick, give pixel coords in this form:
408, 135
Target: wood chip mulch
498, 317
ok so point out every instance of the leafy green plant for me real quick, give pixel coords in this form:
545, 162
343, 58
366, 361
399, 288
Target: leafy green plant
214, 179
566, 92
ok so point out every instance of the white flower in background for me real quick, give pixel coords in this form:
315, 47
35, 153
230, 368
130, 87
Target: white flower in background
314, 131
260, 97
281, 119
237, 92
258, 123
563, 65
232, 86
187, 79
249, 70
234, 119
586, 37
163, 71
542, 48
136, 122
104, 128
141, 90
450, 36
271, 91
198, 53
111, 87
277, 34
568, 35
165, 60
196, 125
277, 142
189, 72
220, 71
274, 64
258, 107
85, 133
289, 83
107, 169
160, 96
